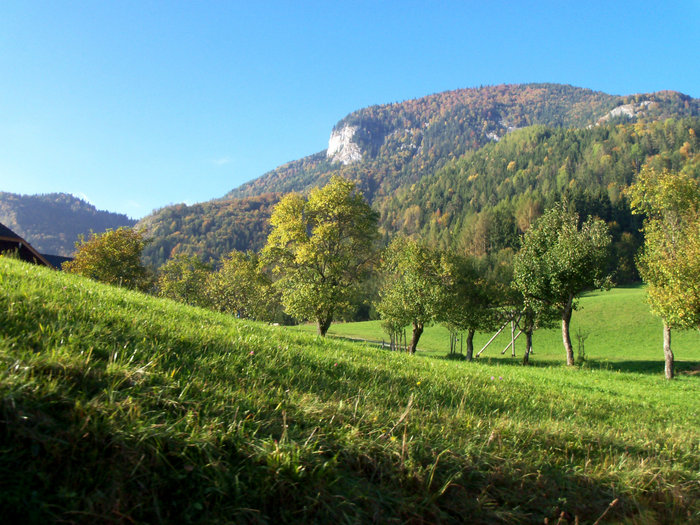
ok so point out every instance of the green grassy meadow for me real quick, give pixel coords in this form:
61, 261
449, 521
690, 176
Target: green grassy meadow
117, 407
620, 333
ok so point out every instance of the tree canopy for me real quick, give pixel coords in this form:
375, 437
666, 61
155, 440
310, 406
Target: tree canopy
414, 291
183, 278
470, 298
560, 259
320, 247
669, 261
113, 257
241, 287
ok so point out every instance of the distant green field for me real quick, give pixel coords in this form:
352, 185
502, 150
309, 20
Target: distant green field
619, 330
117, 407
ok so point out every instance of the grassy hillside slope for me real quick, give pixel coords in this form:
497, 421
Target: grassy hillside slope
619, 333
118, 407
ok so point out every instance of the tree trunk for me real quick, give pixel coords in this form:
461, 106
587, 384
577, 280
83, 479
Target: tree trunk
470, 344
528, 347
323, 324
565, 320
668, 353
417, 331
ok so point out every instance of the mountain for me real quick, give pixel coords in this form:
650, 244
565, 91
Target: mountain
53, 222
393, 150
390, 145
539, 161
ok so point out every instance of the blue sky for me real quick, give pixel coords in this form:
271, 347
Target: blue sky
136, 105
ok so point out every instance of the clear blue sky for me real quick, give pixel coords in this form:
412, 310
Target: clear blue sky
136, 105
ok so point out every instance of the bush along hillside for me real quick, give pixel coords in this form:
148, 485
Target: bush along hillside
119, 407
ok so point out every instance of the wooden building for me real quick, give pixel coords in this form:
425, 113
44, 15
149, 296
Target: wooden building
13, 243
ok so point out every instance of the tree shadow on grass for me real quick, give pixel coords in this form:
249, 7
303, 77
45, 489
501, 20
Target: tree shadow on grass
644, 367
651, 367
65, 466
368, 342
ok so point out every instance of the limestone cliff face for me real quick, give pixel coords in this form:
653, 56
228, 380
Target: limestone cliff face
341, 148
628, 110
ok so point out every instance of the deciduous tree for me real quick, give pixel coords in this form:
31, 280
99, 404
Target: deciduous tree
113, 257
242, 288
414, 290
669, 261
320, 247
183, 278
469, 299
559, 260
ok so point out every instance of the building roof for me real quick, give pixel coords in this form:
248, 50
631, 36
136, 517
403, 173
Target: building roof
7, 233
9, 240
56, 260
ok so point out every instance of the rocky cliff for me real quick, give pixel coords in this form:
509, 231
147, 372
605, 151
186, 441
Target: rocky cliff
341, 147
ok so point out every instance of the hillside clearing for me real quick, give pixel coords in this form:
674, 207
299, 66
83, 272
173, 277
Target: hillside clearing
618, 329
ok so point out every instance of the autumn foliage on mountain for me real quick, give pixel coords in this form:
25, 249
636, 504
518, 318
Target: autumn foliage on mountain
210, 229
468, 169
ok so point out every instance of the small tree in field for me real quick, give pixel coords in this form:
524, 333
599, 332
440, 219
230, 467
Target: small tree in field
414, 290
320, 247
183, 278
558, 261
535, 314
669, 261
113, 257
241, 287
469, 300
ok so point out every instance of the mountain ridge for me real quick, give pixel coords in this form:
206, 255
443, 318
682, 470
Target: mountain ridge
415, 127
390, 151
53, 222
393, 147
470, 118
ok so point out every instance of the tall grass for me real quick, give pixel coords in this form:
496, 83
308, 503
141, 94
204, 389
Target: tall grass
118, 407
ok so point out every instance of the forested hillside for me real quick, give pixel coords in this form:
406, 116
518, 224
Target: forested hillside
53, 222
210, 230
402, 142
467, 168
481, 202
